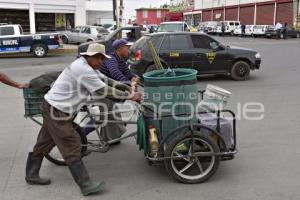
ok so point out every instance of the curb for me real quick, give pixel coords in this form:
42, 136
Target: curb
54, 52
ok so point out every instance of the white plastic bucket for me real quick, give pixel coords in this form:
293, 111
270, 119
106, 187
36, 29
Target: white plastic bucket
215, 97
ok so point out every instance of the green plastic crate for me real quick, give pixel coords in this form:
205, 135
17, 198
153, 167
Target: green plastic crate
32, 102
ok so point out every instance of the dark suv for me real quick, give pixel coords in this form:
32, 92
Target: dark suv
291, 32
193, 50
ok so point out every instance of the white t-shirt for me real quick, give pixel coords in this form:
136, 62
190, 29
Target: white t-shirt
278, 26
74, 85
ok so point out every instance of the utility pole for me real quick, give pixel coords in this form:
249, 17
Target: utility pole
239, 11
121, 8
115, 10
224, 6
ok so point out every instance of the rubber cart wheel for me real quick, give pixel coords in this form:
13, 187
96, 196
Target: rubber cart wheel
193, 169
55, 156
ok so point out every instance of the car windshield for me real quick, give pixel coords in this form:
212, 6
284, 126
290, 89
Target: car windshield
102, 30
140, 42
214, 24
112, 34
107, 25
170, 27
270, 28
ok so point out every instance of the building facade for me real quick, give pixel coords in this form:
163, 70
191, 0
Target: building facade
151, 15
266, 12
47, 15
99, 12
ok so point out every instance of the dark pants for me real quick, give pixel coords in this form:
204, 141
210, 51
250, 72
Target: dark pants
243, 33
284, 33
58, 130
111, 130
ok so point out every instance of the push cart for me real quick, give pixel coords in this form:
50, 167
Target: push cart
191, 152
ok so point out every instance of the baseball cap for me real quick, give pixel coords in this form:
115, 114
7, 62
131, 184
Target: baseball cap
95, 48
120, 43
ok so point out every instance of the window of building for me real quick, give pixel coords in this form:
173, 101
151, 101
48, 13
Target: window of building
158, 14
45, 22
15, 17
145, 13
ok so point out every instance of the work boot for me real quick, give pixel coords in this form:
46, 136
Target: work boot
33, 167
81, 177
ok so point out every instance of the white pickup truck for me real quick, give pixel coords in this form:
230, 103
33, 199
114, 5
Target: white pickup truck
12, 40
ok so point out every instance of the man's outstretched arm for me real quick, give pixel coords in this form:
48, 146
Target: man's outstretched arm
8, 81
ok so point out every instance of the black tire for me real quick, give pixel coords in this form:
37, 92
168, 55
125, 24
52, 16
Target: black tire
56, 158
89, 40
64, 40
39, 50
202, 143
240, 71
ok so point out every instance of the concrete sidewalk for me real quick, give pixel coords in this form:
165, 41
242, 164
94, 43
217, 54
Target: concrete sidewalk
65, 49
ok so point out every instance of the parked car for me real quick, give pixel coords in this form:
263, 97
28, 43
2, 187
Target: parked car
260, 30
291, 32
177, 26
211, 27
230, 26
111, 29
202, 27
154, 26
82, 34
12, 40
248, 30
135, 33
193, 50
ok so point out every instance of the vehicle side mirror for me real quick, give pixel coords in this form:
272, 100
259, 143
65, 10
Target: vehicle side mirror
216, 46
221, 47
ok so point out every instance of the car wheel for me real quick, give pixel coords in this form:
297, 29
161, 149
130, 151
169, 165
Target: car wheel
39, 50
89, 40
240, 71
64, 40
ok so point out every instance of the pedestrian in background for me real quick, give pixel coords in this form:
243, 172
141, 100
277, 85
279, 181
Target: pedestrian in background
243, 27
223, 28
278, 28
8, 81
151, 30
284, 31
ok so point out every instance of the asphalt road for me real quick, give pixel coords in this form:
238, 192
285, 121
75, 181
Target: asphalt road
266, 167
